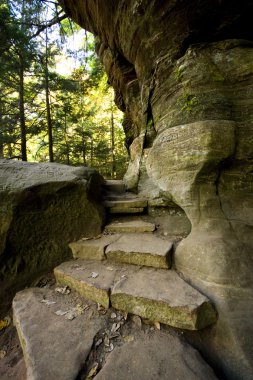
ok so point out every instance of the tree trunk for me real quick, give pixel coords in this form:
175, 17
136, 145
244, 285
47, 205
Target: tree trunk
49, 119
66, 138
1, 150
91, 151
22, 107
113, 164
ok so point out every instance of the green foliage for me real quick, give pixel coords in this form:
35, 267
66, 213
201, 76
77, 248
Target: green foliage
188, 101
81, 102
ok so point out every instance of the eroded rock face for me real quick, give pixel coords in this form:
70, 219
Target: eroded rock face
183, 75
43, 207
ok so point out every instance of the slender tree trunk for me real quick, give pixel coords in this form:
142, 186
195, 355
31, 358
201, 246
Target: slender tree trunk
1, 135
113, 164
1, 150
91, 152
84, 152
49, 119
66, 138
22, 107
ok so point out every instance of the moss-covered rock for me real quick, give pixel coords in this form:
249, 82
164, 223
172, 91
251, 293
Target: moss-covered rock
43, 207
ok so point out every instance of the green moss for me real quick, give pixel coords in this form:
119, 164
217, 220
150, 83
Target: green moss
187, 102
179, 73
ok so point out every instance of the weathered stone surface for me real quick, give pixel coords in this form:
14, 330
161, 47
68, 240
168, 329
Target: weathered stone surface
141, 249
135, 225
131, 177
126, 203
43, 207
93, 249
92, 280
53, 347
163, 296
114, 186
182, 73
157, 294
155, 356
126, 210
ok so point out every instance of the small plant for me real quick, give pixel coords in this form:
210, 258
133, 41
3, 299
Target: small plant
189, 101
179, 73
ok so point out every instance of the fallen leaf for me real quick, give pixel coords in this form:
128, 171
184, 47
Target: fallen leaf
48, 302
2, 354
101, 309
80, 309
106, 340
3, 325
122, 315
92, 372
128, 338
157, 325
115, 327
71, 314
94, 275
109, 348
100, 341
110, 268
114, 335
63, 290
60, 312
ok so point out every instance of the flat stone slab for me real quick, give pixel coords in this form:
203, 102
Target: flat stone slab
92, 249
156, 356
157, 294
53, 346
126, 203
141, 249
163, 296
116, 186
126, 210
130, 226
90, 279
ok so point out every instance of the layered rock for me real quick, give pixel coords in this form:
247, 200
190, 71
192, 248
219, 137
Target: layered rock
183, 74
43, 207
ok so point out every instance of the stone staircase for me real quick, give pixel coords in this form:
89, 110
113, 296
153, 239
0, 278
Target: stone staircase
128, 268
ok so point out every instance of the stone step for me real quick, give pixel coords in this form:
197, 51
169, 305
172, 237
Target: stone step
128, 204
54, 346
126, 210
92, 249
157, 355
124, 203
156, 294
140, 249
163, 296
115, 186
59, 333
93, 280
128, 226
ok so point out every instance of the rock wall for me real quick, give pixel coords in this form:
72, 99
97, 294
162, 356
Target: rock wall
43, 207
182, 71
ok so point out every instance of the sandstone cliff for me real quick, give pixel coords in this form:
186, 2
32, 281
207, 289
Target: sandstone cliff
182, 71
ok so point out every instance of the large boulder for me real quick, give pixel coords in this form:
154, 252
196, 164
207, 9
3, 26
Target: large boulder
182, 71
43, 207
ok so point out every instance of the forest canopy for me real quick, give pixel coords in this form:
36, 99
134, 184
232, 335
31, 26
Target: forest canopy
55, 102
